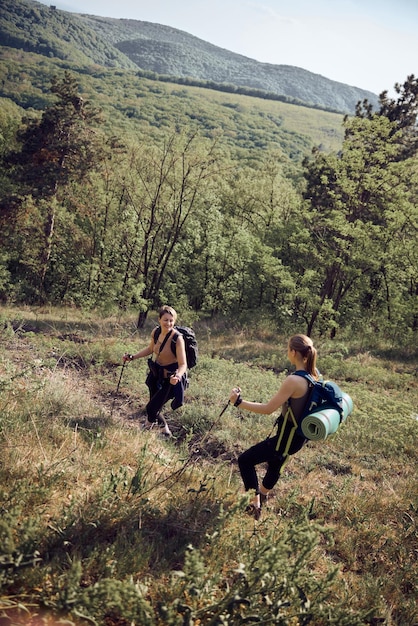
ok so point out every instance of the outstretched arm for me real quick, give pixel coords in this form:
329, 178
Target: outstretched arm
142, 353
287, 389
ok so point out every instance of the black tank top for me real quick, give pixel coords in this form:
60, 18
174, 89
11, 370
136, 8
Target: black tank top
296, 404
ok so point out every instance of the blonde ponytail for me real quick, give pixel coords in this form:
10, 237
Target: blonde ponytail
304, 345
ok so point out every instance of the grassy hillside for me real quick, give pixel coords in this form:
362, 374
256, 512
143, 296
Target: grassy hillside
34, 27
135, 104
102, 522
166, 50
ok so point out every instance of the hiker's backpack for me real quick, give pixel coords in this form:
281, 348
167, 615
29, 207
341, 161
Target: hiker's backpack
190, 343
323, 394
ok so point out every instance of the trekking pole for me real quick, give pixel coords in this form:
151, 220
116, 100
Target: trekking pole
224, 409
214, 422
188, 460
117, 388
227, 404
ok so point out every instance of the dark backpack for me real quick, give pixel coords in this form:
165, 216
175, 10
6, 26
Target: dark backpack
323, 394
190, 343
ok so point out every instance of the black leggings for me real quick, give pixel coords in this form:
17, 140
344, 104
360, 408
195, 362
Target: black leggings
160, 391
265, 452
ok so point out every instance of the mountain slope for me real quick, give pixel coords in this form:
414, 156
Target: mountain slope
173, 52
34, 27
132, 44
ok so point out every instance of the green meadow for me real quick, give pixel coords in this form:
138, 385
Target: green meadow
105, 523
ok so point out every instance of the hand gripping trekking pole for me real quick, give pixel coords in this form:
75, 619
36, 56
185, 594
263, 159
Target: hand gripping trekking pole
238, 390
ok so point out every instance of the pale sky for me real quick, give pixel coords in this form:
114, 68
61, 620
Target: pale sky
371, 44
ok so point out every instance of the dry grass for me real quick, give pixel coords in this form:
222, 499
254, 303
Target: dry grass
84, 487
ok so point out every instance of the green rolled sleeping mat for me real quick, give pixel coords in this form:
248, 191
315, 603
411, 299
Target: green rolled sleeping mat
319, 425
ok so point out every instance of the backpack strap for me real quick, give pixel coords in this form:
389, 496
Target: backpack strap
157, 333
174, 342
305, 375
312, 382
308, 377
288, 416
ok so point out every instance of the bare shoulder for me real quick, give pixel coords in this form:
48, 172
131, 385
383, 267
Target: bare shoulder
179, 336
297, 386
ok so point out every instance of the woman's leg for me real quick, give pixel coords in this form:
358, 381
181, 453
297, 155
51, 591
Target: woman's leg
277, 461
259, 453
156, 403
272, 475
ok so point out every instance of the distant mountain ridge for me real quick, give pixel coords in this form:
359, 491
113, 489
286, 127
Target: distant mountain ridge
173, 52
163, 50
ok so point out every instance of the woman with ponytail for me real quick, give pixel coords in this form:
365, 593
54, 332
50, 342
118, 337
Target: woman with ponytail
275, 450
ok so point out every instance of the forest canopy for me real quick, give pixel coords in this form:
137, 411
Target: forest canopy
91, 220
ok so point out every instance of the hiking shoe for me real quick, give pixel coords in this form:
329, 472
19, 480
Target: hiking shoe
253, 511
263, 499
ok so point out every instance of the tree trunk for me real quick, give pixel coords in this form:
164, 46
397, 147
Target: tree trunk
142, 317
46, 253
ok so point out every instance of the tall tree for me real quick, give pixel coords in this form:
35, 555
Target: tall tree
401, 111
261, 209
356, 201
160, 192
59, 148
